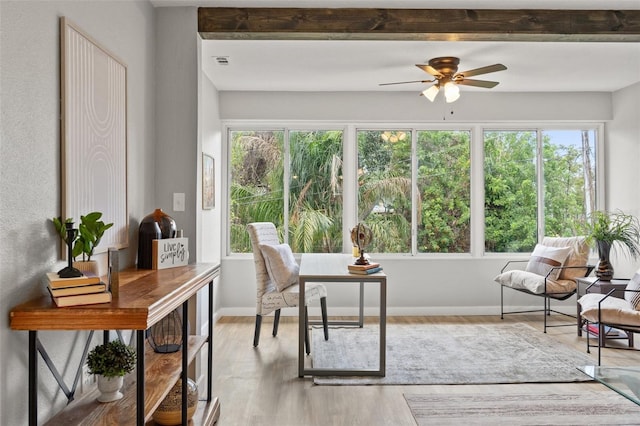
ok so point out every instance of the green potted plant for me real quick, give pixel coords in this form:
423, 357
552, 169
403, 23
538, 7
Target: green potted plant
607, 230
110, 362
90, 231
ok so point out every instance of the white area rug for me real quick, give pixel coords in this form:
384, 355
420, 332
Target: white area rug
585, 408
427, 354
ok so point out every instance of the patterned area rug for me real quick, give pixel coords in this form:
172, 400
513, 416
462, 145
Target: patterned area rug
427, 354
584, 408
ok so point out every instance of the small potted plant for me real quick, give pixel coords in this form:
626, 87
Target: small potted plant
90, 232
110, 362
607, 230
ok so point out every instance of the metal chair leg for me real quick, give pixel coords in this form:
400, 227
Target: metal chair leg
546, 312
325, 322
276, 320
256, 334
502, 302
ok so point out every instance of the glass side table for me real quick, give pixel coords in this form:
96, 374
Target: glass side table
623, 380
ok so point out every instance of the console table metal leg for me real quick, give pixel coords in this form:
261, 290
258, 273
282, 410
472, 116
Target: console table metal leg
140, 378
33, 378
185, 361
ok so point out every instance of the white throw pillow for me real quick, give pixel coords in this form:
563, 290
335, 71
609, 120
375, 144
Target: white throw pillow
281, 265
633, 297
544, 259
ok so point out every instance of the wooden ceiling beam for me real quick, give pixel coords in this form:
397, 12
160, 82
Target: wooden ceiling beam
419, 24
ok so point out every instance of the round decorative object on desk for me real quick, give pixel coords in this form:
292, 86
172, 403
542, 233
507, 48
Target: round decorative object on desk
169, 412
154, 226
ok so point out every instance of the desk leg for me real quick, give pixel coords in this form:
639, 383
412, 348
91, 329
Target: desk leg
383, 326
301, 326
33, 378
140, 378
361, 318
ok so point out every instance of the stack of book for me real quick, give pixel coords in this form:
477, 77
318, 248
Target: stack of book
371, 268
84, 290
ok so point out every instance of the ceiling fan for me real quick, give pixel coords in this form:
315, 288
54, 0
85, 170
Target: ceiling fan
446, 76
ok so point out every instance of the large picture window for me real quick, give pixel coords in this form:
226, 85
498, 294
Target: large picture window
291, 178
536, 182
414, 187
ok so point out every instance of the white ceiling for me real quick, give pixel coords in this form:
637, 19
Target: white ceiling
359, 65
333, 65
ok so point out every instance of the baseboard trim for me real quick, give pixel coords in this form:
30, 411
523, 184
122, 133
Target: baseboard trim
396, 311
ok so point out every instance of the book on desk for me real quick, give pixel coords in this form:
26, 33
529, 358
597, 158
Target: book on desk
84, 290
87, 278
368, 269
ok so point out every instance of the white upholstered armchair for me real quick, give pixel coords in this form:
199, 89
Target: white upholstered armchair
277, 280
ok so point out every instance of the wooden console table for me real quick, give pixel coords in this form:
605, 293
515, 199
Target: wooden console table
145, 297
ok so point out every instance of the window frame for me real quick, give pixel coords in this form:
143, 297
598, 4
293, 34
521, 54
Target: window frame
350, 163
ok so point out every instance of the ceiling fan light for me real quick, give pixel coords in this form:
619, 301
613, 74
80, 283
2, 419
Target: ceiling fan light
451, 92
431, 92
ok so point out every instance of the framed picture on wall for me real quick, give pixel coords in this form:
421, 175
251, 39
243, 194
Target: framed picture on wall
93, 86
208, 182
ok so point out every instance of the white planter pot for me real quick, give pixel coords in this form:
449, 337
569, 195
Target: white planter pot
109, 388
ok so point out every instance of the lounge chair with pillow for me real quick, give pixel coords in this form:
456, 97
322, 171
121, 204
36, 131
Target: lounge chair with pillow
606, 310
550, 273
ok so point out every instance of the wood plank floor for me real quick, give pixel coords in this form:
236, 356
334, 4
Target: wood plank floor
260, 386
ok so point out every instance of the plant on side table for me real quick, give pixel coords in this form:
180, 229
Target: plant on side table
606, 230
110, 362
86, 239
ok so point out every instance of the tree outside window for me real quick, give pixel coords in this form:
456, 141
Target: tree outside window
259, 163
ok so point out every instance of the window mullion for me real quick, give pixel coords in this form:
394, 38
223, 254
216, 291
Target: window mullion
414, 192
540, 183
286, 184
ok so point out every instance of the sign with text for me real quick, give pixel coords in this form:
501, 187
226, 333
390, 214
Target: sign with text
170, 252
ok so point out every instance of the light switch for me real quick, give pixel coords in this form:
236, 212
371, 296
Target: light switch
178, 201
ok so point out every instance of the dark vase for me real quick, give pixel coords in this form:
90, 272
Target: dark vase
605, 270
154, 226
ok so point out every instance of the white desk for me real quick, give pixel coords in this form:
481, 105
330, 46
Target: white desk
325, 268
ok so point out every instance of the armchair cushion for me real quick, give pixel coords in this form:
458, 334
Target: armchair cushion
579, 255
281, 265
633, 296
614, 310
534, 283
545, 258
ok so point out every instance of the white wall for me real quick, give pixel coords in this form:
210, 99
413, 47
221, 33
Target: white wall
622, 162
409, 107
455, 284
30, 171
177, 116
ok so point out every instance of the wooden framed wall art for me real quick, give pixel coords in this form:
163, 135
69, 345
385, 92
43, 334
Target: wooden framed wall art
93, 88
208, 182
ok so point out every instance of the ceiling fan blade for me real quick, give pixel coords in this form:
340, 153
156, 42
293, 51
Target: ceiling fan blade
406, 82
478, 83
482, 70
429, 69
